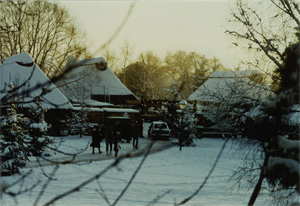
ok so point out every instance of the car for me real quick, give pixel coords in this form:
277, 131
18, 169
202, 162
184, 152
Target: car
153, 114
159, 130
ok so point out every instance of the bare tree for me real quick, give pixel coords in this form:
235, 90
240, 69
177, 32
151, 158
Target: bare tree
126, 54
154, 77
44, 30
110, 57
147, 77
190, 70
266, 28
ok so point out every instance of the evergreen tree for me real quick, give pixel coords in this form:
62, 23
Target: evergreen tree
37, 130
79, 121
14, 139
281, 151
188, 127
182, 124
82, 121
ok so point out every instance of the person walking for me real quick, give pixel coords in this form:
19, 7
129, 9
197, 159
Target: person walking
135, 135
96, 139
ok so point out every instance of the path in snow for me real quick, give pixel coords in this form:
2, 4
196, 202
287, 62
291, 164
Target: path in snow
87, 156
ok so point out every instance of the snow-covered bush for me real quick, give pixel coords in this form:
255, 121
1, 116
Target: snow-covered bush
186, 127
14, 139
282, 168
21, 136
78, 121
224, 117
189, 122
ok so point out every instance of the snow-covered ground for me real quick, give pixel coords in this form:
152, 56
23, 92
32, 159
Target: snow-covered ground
168, 176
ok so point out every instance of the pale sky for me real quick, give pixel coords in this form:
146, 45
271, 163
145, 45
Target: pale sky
159, 26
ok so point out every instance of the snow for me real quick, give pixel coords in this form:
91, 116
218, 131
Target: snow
292, 165
234, 74
87, 109
158, 122
32, 76
24, 58
288, 145
110, 84
294, 117
91, 61
254, 113
177, 174
93, 103
120, 110
42, 126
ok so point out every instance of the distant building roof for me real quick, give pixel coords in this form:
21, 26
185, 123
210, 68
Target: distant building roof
120, 110
231, 87
234, 74
91, 80
90, 103
21, 70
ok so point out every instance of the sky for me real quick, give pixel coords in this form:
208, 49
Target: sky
158, 26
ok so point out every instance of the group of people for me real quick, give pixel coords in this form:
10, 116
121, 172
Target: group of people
111, 139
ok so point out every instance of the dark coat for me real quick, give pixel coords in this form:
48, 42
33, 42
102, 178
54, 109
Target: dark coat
127, 131
96, 139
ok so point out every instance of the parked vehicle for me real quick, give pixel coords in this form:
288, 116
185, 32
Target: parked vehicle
153, 114
159, 130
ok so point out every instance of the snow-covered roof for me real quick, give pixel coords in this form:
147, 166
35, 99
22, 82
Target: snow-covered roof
93, 103
234, 74
87, 80
20, 69
294, 117
91, 61
120, 110
229, 88
159, 122
88, 109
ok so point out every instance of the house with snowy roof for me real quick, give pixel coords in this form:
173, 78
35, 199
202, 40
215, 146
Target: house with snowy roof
21, 71
92, 79
226, 93
231, 87
29, 83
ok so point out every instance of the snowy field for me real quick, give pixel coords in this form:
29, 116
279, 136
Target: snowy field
168, 176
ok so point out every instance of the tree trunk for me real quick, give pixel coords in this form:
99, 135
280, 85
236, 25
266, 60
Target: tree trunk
257, 188
180, 144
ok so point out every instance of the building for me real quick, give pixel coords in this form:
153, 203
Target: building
93, 79
231, 87
30, 83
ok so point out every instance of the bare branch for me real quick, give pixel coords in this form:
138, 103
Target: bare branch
207, 177
134, 174
101, 173
115, 34
45, 185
